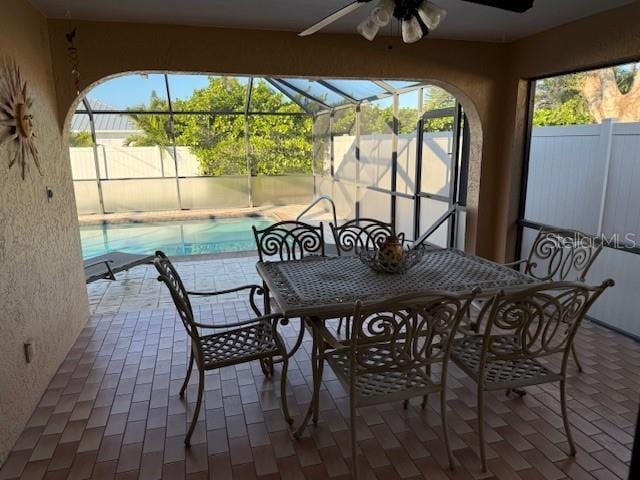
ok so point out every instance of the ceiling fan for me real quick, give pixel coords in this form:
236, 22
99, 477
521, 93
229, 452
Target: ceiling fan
417, 17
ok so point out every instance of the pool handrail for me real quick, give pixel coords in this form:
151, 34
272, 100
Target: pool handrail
315, 202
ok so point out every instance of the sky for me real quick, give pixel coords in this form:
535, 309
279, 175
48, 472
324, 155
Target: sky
133, 90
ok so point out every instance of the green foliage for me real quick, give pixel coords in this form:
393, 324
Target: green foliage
559, 101
625, 76
574, 111
80, 139
278, 144
156, 129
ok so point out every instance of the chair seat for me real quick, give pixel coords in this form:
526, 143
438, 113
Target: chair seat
238, 345
500, 374
388, 384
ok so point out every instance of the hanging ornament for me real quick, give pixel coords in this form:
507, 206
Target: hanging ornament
72, 53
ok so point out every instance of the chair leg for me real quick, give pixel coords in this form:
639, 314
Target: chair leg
354, 441
283, 390
196, 412
483, 457
186, 379
445, 428
266, 364
340, 320
565, 417
575, 357
425, 398
316, 400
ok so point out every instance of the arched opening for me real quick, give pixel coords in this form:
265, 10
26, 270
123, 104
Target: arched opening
144, 144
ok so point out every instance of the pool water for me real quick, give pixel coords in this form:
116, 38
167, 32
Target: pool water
188, 237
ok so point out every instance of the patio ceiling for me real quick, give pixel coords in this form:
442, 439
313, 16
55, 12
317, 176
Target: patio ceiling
466, 21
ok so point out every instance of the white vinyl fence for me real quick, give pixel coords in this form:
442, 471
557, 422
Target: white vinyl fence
588, 178
144, 179
374, 170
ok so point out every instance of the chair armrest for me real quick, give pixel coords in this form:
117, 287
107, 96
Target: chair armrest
257, 288
517, 262
263, 318
253, 290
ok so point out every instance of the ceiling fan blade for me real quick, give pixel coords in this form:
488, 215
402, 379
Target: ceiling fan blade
352, 7
519, 6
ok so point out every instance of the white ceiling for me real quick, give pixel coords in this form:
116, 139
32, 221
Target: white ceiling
465, 21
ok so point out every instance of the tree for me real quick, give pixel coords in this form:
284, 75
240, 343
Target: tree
80, 139
156, 129
278, 144
613, 93
589, 97
559, 101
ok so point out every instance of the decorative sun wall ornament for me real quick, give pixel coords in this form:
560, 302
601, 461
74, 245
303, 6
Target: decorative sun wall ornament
16, 121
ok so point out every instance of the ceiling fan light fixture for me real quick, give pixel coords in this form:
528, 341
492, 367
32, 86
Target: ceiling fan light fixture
431, 14
368, 28
382, 14
411, 30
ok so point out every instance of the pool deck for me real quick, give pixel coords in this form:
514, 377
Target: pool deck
138, 289
284, 212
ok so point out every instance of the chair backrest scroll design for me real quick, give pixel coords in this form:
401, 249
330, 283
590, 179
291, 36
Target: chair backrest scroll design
360, 234
555, 254
537, 322
289, 240
409, 332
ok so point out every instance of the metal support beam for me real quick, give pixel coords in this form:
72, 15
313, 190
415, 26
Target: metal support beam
453, 180
173, 141
344, 95
94, 144
190, 112
357, 173
247, 145
394, 156
418, 179
385, 86
304, 94
275, 85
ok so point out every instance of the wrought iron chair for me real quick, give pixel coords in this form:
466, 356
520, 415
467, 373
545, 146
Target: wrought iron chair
235, 343
559, 255
360, 234
356, 235
392, 349
525, 332
288, 240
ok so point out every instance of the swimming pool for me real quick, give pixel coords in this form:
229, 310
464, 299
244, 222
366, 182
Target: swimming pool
184, 237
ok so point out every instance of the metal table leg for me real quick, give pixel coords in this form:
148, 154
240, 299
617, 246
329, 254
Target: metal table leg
317, 380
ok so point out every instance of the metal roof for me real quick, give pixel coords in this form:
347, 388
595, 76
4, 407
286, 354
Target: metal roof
104, 122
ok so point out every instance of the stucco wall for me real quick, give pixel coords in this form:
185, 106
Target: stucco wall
42, 294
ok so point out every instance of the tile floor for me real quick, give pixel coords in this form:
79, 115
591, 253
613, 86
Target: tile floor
138, 289
112, 411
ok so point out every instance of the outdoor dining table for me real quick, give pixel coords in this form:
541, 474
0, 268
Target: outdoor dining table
319, 288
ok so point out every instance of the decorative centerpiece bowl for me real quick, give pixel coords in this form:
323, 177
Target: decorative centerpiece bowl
391, 257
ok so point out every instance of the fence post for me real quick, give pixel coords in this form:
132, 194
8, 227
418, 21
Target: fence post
604, 151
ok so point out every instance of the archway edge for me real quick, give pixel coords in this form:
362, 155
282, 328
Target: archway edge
473, 72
